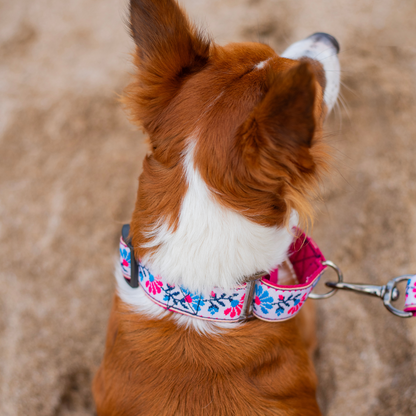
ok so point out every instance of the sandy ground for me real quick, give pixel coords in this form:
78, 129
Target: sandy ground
69, 163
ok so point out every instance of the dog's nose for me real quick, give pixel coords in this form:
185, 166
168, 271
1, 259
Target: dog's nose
325, 37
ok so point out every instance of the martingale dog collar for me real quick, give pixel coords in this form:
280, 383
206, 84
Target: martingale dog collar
265, 298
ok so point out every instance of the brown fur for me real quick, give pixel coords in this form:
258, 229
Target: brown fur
258, 146
152, 367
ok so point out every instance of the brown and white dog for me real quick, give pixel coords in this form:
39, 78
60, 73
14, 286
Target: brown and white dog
236, 151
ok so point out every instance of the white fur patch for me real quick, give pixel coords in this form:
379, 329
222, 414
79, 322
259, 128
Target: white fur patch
214, 246
261, 64
324, 52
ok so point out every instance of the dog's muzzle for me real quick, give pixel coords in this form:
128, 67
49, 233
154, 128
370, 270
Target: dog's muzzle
323, 48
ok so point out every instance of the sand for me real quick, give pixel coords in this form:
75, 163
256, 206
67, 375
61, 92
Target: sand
69, 163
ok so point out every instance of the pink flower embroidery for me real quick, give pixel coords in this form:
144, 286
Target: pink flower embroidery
154, 285
295, 308
188, 299
236, 307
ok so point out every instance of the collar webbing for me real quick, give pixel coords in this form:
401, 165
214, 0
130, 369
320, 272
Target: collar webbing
267, 299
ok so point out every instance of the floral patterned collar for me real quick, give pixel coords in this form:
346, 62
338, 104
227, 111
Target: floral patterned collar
264, 298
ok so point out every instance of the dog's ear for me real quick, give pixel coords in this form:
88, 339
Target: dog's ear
166, 41
168, 49
280, 130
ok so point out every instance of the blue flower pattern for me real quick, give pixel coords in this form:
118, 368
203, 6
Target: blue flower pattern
284, 303
144, 273
125, 255
264, 300
196, 299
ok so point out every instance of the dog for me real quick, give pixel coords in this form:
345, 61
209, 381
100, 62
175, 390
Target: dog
236, 151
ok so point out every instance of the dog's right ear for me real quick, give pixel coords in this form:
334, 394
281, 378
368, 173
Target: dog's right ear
279, 132
168, 49
280, 143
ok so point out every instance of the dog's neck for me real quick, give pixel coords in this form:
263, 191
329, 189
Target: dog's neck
212, 245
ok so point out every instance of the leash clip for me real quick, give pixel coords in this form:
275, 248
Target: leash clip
389, 292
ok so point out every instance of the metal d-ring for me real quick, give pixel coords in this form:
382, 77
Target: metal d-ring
332, 292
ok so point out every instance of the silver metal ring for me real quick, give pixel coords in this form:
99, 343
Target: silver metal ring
332, 292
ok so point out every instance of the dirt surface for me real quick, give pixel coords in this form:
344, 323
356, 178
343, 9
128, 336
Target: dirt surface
69, 163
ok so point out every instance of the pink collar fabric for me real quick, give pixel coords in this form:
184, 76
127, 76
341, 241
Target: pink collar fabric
270, 300
274, 302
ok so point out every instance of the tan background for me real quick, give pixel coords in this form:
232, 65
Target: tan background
69, 163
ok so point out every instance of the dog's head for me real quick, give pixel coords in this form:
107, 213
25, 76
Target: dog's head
246, 119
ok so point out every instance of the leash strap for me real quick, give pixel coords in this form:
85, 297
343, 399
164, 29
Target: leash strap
410, 302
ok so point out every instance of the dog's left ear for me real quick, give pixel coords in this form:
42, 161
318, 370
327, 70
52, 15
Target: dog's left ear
166, 41
168, 49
